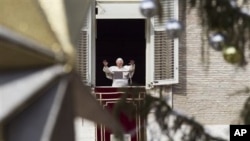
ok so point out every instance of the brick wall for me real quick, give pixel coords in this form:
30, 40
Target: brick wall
207, 90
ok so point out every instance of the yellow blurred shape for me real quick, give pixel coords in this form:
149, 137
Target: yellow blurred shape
26, 17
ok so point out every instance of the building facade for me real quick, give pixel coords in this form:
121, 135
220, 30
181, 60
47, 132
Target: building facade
205, 90
208, 91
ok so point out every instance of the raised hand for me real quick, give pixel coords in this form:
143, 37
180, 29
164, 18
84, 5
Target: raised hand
131, 62
105, 63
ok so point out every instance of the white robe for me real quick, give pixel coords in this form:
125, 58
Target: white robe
127, 71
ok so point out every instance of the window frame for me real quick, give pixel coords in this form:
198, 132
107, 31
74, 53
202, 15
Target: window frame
150, 60
149, 52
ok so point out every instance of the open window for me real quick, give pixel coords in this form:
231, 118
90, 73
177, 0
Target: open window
143, 40
123, 38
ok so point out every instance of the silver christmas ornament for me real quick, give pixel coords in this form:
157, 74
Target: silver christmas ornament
233, 3
173, 28
245, 11
217, 41
148, 8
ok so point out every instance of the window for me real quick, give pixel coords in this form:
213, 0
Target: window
123, 38
162, 52
158, 56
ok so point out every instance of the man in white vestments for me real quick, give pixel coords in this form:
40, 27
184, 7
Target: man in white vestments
119, 74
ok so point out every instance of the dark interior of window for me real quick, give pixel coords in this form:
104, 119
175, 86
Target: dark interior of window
123, 38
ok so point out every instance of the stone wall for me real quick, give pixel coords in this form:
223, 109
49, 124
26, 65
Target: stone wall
207, 91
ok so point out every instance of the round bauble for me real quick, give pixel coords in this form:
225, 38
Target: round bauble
217, 41
174, 28
148, 8
232, 55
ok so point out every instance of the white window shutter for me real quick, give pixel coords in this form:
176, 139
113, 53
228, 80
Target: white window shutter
86, 48
82, 52
165, 52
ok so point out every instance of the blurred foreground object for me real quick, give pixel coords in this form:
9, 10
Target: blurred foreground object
217, 41
40, 92
231, 54
148, 8
230, 20
174, 28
